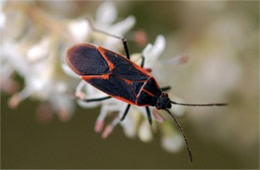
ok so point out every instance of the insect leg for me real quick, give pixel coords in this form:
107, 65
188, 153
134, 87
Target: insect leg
124, 41
142, 63
166, 88
149, 115
125, 113
96, 99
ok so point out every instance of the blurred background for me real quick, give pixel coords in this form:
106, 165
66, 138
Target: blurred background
221, 40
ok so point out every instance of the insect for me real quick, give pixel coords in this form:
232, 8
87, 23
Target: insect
120, 78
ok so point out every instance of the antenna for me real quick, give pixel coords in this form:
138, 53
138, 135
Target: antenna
209, 104
185, 138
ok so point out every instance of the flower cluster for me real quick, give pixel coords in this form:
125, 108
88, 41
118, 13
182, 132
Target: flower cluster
37, 56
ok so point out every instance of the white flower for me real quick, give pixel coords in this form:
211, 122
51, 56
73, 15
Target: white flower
171, 140
42, 78
80, 30
2, 15
106, 15
37, 62
144, 132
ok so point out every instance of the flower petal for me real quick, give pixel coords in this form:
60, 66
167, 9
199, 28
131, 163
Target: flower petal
38, 51
130, 124
2, 15
118, 29
153, 52
171, 140
172, 143
124, 26
68, 71
106, 13
145, 132
79, 30
178, 110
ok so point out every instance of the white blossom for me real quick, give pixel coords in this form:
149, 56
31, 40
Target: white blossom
2, 15
37, 62
42, 79
106, 15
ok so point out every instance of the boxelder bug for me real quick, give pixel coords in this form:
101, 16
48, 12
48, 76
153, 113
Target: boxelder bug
122, 79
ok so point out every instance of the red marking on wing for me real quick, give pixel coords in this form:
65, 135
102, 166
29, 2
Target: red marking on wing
110, 64
151, 94
140, 68
128, 81
104, 76
142, 89
148, 69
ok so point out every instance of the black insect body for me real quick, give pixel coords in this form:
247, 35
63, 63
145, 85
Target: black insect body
122, 79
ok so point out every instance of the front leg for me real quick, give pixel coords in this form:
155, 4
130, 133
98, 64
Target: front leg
125, 113
95, 99
166, 88
149, 116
